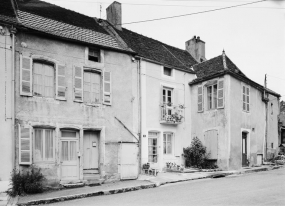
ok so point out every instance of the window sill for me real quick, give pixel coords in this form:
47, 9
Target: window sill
93, 105
44, 162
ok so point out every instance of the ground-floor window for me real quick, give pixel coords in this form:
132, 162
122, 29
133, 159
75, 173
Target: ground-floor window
283, 136
152, 147
167, 143
43, 144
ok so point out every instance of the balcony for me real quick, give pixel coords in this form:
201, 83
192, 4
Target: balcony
171, 114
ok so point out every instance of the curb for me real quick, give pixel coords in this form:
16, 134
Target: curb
134, 188
92, 194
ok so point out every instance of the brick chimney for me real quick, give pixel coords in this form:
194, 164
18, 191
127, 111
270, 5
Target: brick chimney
196, 47
114, 14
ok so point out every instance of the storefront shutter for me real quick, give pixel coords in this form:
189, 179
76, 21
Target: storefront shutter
78, 83
26, 79
107, 88
200, 98
60, 82
25, 146
221, 94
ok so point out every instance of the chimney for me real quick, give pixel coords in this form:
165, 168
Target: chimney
114, 15
196, 47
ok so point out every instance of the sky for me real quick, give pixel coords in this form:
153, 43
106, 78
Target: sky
253, 35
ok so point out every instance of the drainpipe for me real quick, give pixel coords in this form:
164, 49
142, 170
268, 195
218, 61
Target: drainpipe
266, 116
13, 31
140, 113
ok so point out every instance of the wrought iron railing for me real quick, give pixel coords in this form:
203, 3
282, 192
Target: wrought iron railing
171, 114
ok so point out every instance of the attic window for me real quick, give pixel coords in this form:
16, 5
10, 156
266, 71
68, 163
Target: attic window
167, 71
94, 55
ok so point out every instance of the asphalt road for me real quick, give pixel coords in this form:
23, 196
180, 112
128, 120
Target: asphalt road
262, 188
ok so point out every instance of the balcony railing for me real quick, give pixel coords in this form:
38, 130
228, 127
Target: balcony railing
171, 114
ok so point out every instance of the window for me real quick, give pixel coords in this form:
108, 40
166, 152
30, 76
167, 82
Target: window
92, 84
94, 55
152, 147
167, 95
212, 96
167, 143
245, 98
43, 145
43, 79
167, 71
282, 136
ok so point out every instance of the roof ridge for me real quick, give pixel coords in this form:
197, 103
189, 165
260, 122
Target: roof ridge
206, 60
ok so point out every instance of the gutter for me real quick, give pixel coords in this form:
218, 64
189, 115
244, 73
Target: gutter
140, 114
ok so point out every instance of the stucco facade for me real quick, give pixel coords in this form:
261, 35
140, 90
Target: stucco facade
153, 81
6, 110
69, 115
231, 122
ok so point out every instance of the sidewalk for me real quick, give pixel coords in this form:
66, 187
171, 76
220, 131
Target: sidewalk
143, 182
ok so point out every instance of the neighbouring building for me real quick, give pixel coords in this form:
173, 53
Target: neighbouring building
281, 140
164, 72
76, 97
235, 117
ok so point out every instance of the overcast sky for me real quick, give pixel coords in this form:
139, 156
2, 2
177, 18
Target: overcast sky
253, 36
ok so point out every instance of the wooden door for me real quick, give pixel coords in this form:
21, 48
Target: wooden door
91, 150
69, 159
129, 161
244, 149
153, 149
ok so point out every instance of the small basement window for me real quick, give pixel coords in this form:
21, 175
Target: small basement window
167, 71
94, 55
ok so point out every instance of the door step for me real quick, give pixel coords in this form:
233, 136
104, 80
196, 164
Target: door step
73, 185
96, 182
91, 176
90, 171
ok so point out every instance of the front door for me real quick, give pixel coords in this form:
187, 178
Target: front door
91, 151
69, 155
153, 149
244, 149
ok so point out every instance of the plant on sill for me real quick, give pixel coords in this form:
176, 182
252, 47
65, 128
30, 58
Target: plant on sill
174, 117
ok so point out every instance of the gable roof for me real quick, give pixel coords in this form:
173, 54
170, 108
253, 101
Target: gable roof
157, 51
52, 20
219, 66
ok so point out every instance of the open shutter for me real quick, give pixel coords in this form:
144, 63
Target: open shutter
26, 79
221, 94
25, 146
60, 82
200, 98
177, 150
247, 98
107, 88
78, 83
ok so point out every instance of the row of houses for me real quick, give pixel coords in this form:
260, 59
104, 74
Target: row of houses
84, 98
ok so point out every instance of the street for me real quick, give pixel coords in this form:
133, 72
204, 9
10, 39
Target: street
262, 188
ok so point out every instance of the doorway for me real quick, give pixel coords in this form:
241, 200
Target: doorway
244, 149
91, 152
153, 149
69, 155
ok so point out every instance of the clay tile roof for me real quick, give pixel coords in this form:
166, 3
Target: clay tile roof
7, 13
157, 51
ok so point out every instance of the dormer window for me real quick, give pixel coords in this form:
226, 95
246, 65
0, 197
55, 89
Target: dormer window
167, 71
94, 55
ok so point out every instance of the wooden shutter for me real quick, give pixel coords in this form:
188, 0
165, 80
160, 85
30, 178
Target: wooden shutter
220, 98
26, 80
247, 98
177, 140
211, 143
107, 88
200, 98
78, 83
25, 146
60, 82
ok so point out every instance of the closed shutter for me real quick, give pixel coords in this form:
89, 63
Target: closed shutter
107, 88
26, 79
60, 82
200, 98
78, 83
211, 143
221, 94
247, 98
25, 146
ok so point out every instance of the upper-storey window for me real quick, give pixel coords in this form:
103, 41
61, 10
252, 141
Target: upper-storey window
167, 71
245, 98
94, 55
42, 77
167, 95
212, 96
92, 85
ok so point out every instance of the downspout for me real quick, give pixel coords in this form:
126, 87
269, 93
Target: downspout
13, 31
140, 114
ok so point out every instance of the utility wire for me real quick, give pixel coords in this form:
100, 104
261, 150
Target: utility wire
200, 12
